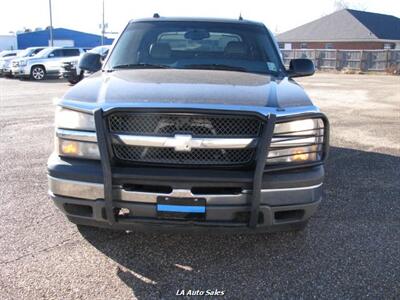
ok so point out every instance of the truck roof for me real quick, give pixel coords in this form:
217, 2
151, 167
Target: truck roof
197, 19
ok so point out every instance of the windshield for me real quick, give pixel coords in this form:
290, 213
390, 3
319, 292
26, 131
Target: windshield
44, 52
196, 45
99, 50
25, 52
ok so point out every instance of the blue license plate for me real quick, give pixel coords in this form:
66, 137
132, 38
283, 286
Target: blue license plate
181, 208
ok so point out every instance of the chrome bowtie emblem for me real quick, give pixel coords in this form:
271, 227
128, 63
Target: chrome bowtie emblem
182, 142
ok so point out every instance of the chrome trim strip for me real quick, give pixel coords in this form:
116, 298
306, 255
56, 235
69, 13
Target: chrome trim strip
182, 142
76, 135
152, 197
76, 189
292, 189
93, 191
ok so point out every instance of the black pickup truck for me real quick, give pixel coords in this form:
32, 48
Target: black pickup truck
190, 124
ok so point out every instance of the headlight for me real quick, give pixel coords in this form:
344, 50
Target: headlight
77, 149
297, 142
76, 135
71, 119
21, 63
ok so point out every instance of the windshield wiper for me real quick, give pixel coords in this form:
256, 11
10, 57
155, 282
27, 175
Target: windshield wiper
216, 67
141, 66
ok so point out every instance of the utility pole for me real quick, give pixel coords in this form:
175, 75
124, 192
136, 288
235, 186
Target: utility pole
51, 26
102, 27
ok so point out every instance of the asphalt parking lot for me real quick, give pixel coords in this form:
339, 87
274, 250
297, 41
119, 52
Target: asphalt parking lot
350, 248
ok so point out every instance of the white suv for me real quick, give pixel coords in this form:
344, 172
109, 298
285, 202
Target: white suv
5, 57
45, 63
23, 54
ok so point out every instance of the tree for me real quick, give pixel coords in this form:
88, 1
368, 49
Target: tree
343, 4
340, 4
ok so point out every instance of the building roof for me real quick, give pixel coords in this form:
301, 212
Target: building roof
58, 30
42, 37
346, 25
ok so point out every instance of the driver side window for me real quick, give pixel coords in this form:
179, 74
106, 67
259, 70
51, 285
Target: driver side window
56, 53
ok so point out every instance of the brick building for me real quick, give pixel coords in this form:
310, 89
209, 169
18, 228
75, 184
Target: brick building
345, 29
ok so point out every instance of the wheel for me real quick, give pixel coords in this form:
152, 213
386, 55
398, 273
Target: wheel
38, 73
75, 79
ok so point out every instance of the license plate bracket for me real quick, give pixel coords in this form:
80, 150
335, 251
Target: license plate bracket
181, 208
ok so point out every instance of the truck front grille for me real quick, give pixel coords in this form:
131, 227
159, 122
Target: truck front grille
194, 157
195, 125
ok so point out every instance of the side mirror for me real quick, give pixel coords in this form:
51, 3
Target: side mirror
301, 67
90, 62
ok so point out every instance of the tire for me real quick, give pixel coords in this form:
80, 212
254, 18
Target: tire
75, 79
38, 73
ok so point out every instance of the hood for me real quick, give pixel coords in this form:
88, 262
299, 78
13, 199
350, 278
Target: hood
7, 59
188, 87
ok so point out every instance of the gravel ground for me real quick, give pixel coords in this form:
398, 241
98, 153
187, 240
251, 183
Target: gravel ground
349, 250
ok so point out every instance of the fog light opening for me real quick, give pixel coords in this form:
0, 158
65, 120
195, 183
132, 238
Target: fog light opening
78, 210
289, 215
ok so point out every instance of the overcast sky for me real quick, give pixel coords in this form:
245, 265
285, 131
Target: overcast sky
85, 15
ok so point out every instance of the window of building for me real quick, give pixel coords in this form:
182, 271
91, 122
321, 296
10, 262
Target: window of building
388, 46
287, 46
303, 46
328, 46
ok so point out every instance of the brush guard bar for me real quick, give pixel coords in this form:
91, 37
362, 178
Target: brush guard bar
104, 140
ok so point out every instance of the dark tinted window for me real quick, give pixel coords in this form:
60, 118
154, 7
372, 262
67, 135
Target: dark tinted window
71, 52
56, 53
10, 54
37, 51
196, 45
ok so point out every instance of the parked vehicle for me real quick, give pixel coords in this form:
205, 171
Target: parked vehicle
5, 57
70, 67
8, 53
191, 124
45, 63
9, 61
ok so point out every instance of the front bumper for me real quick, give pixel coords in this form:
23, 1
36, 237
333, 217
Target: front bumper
68, 72
5, 71
20, 71
287, 197
259, 197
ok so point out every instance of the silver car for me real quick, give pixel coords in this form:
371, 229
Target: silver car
5, 57
8, 61
45, 63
